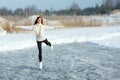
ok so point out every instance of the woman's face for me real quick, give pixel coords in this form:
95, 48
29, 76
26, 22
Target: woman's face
39, 20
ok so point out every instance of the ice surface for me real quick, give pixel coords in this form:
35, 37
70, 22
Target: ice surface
73, 61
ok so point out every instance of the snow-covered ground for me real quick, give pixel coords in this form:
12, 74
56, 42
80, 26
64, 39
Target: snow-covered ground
108, 36
84, 53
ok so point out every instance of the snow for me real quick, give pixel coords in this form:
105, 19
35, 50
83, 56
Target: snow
107, 36
82, 53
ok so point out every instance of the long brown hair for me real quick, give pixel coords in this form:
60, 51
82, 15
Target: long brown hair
36, 21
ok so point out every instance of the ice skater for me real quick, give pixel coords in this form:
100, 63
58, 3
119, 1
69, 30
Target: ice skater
39, 30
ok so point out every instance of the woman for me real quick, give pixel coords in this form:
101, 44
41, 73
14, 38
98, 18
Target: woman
40, 37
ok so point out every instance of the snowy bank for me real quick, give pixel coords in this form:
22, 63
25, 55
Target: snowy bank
108, 36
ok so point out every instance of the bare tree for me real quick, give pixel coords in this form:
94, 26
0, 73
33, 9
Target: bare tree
19, 12
30, 10
74, 6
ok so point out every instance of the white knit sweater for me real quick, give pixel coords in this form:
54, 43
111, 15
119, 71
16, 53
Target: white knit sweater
39, 30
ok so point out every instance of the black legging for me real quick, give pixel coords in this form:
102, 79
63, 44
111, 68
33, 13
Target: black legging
39, 44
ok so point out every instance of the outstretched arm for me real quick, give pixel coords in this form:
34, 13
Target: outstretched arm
26, 27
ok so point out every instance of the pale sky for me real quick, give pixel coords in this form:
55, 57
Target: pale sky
47, 4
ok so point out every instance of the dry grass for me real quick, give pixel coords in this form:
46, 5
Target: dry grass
10, 28
76, 21
66, 21
13, 21
7, 27
71, 21
18, 18
13, 18
27, 23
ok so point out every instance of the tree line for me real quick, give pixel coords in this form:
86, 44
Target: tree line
30, 10
74, 9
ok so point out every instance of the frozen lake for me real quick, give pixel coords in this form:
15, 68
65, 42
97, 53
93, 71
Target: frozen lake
71, 61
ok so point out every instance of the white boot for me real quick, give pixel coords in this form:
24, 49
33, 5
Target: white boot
40, 65
52, 47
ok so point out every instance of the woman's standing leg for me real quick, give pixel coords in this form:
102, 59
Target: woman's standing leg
39, 44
